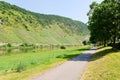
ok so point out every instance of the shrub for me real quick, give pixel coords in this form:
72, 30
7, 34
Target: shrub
32, 63
9, 45
62, 47
84, 42
110, 44
24, 44
116, 46
20, 67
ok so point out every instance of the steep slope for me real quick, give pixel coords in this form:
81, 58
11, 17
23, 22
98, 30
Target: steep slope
18, 25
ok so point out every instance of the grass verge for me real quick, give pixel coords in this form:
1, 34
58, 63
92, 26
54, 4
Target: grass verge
34, 63
104, 65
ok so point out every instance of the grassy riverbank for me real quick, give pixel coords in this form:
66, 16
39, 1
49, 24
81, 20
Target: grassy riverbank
24, 65
104, 65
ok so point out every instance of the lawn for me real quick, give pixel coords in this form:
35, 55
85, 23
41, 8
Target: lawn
24, 66
104, 65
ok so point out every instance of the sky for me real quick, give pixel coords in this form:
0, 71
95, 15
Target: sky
74, 9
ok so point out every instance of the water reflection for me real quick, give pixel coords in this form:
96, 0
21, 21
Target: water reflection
16, 50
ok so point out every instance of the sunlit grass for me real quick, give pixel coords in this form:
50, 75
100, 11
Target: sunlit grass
34, 62
104, 65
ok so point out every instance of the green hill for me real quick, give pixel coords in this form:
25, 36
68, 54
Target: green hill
18, 25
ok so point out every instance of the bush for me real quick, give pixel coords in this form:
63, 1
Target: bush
9, 45
24, 44
110, 44
116, 46
62, 47
84, 42
33, 63
20, 67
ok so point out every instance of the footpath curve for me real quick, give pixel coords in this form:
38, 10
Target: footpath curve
70, 70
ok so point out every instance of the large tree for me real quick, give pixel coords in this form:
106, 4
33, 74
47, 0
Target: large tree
104, 21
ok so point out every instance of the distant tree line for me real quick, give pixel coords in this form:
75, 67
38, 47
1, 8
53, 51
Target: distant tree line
104, 22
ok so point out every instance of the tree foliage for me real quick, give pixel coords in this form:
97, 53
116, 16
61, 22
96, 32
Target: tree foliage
104, 21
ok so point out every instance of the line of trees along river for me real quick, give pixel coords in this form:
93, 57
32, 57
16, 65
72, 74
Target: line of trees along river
25, 48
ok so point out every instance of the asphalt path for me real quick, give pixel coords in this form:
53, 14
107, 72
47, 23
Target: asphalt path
70, 70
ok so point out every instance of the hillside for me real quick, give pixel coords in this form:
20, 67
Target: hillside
18, 25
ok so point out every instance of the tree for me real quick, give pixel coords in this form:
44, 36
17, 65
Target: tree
104, 21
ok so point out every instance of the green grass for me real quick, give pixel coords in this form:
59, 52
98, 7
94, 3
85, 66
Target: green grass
104, 65
45, 36
34, 62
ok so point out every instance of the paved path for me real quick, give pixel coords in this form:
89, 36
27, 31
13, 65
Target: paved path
70, 70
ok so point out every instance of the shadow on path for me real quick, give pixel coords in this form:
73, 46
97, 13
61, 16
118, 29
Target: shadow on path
79, 57
102, 53
70, 70
81, 49
82, 57
87, 55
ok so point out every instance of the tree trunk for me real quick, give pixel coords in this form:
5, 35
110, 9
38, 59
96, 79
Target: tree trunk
114, 41
104, 43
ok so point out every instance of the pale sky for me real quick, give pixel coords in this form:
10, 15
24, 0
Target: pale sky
74, 9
